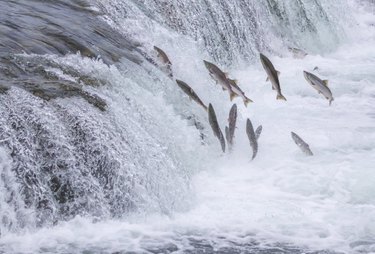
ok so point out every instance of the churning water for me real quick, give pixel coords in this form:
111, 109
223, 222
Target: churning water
100, 151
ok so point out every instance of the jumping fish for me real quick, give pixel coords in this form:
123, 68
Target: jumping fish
227, 137
220, 77
190, 92
258, 131
301, 144
232, 125
297, 53
252, 138
320, 85
236, 89
272, 76
215, 126
164, 60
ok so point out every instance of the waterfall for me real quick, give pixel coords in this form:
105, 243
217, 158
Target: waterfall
235, 31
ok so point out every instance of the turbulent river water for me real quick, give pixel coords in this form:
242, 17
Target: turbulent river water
101, 151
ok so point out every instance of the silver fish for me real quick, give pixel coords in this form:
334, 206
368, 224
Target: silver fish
190, 92
320, 85
301, 144
258, 131
252, 138
220, 77
236, 89
164, 60
215, 126
297, 53
227, 137
232, 125
273, 76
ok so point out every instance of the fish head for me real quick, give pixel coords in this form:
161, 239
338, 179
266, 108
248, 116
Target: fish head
263, 58
210, 108
306, 75
266, 63
216, 73
297, 53
293, 134
234, 108
180, 82
295, 137
208, 65
160, 52
211, 69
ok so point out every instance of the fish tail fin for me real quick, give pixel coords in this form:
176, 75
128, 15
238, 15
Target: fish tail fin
330, 101
280, 97
253, 157
232, 96
247, 101
222, 142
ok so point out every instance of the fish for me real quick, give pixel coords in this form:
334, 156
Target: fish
320, 85
272, 76
190, 92
215, 126
258, 131
232, 125
297, 53
236, 89
194, 121
220, 77
227, 137
164, 60
301, 144
252, 138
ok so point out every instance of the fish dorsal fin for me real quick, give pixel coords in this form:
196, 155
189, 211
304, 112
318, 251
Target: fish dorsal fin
235, 81
325, 82
226, 74
278, 73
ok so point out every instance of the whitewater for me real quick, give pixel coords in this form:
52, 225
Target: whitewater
166, 186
